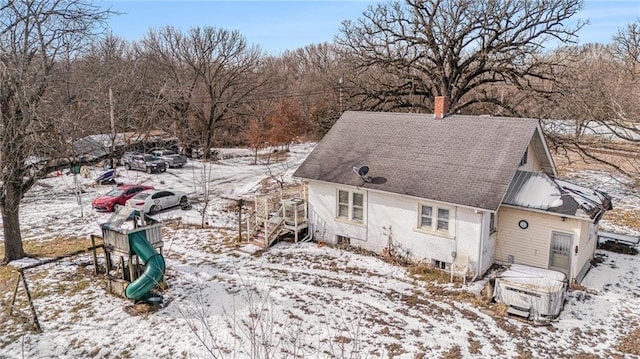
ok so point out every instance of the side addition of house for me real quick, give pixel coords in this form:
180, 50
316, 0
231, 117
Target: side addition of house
459, 192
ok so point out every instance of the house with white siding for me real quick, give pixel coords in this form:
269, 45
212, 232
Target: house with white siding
459, 192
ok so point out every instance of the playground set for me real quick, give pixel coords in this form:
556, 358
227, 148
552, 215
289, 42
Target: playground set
134, 265
143, 243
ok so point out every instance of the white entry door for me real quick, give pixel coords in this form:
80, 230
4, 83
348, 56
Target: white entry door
560, 252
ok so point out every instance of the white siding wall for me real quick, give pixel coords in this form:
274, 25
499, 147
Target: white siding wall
489, 250
586, 246
533, 163
532, 246
322, 214
388, 215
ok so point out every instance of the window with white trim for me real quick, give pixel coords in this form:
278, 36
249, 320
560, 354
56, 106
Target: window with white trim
350, 206
357, 212
443, 219
434, 218
426, 214
343, 204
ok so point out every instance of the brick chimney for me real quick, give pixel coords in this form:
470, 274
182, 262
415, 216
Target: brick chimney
441, 107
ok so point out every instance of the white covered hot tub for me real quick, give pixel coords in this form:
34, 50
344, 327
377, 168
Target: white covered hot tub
533, 293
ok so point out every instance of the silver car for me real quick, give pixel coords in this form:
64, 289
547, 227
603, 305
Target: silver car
172, 159
144, 162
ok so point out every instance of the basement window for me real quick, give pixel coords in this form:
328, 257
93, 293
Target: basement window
342, 240
440, 264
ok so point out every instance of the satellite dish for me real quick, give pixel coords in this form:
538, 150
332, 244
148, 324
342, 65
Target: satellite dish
362, 172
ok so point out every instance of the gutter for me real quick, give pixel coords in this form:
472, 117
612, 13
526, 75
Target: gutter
479, 266
455, 243
541, 211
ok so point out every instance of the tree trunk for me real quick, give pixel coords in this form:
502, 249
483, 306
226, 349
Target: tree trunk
10, 206
208, 143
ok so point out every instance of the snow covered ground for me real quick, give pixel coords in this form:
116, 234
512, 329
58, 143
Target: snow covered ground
293, 300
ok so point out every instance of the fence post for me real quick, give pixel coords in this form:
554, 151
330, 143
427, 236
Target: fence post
31, 306
95, 256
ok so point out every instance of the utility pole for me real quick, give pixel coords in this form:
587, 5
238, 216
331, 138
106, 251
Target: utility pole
113, 130
340, 82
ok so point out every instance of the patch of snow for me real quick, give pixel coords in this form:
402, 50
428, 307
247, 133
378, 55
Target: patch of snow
27, 261
548, 280
539, 192
318, 302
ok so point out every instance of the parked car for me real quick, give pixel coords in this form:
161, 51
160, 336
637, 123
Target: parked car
144, 162
171, 158
116, 197
109, 177
155, 200
128, 155
198, 153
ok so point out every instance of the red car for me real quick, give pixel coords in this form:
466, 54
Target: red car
117, 197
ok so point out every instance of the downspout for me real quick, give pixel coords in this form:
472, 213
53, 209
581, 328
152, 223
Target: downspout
366, 228
596, 225
479, 266
455, 243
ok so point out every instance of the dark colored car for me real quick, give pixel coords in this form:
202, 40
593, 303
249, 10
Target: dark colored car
144, 162
118, 196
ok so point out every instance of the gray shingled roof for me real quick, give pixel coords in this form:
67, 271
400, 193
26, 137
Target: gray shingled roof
465, 160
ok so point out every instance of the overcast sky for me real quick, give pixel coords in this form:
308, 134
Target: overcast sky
287, 25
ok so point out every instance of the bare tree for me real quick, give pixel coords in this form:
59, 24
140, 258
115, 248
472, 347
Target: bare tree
203, 187
170, 81
107, 91
286, 123
600, 104
34, 36
322, 116
315, 73
214, 69
626, 48
256, 137
406, 53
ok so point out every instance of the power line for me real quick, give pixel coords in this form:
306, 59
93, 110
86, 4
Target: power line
267, 97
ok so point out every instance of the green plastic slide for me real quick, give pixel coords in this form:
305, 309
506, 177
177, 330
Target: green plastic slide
154, 267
